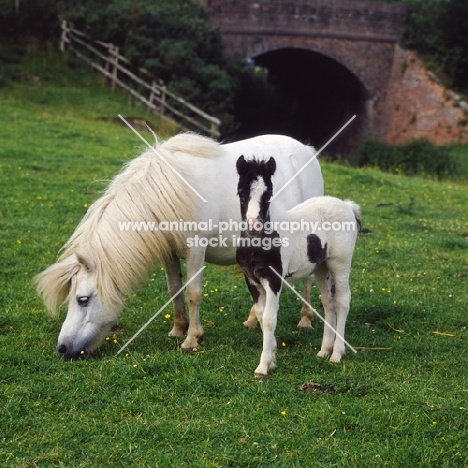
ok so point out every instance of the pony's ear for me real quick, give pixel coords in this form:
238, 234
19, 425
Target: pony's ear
241, 165
86, 262
271, 166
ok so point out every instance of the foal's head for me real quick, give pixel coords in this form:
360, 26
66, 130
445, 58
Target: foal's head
255, 190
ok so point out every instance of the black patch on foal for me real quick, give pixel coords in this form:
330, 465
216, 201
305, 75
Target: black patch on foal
253, 289
315, 252
256, 262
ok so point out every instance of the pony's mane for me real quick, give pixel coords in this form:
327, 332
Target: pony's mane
147, 189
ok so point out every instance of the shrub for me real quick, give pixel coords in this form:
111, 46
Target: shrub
416, 157
10, 57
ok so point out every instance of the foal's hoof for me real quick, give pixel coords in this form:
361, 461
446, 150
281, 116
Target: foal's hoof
263, 377
305, 323
251, 323
177, 332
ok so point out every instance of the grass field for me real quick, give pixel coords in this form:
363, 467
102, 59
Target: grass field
401, 401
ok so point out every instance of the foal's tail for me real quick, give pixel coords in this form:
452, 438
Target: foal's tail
357, 213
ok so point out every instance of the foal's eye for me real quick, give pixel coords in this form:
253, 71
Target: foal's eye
83, 301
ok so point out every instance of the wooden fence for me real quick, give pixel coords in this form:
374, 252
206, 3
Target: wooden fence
105, 58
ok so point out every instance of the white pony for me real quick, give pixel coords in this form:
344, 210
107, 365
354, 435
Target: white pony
315, 237
101, 263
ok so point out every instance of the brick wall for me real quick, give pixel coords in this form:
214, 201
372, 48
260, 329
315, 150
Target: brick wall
417, 106
327, 18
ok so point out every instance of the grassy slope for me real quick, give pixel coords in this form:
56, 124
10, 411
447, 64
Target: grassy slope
400, 406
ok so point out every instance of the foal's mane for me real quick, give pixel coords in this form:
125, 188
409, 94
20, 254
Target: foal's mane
250, 169
147, 189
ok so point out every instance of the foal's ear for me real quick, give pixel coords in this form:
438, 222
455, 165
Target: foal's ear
241, 165
86, 262
270, 166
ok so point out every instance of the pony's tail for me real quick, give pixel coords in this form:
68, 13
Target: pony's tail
357, 213
53, 284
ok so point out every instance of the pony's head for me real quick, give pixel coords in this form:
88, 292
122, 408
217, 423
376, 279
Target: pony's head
93, 305
255, 190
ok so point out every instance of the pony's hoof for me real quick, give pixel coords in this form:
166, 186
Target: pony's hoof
336, 357
323, 353
191, 344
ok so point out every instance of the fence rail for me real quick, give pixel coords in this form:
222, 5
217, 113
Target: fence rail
105, 58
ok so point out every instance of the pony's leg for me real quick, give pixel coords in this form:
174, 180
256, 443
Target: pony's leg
326, 286
174, 284
268, 322
340, 274
307, 316
193, 295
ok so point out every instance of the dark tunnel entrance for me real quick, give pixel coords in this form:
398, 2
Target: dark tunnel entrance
309, 97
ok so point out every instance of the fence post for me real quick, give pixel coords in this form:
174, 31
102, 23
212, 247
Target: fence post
107, 67
163, 100
114, 58
63, 37
214, 130
152, 92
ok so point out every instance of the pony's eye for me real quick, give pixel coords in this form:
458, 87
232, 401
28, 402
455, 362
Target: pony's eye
83, 301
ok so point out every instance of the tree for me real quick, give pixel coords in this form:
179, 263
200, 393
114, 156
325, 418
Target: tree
172, 39
20, 18
438, 29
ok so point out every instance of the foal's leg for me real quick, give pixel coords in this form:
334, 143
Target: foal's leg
340, 272
307, 316
193, 295
326, 286
174, 284
252, 320
306, 312
268, 322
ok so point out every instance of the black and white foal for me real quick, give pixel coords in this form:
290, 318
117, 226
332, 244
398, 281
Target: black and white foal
315, 237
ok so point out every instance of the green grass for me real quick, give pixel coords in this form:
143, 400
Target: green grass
405, 404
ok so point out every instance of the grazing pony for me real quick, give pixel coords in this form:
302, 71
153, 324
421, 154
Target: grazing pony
315, 237
121, 237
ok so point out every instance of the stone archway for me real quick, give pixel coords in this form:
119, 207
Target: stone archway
322, 92
359, 35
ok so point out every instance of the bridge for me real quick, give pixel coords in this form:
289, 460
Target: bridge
335, 55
